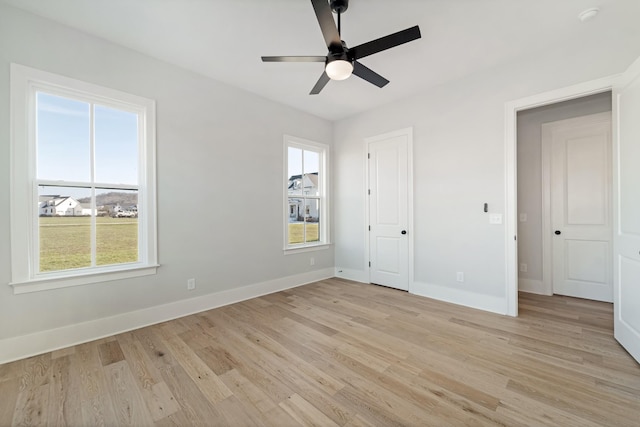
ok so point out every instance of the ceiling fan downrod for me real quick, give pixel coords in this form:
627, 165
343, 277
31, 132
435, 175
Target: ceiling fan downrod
339, 7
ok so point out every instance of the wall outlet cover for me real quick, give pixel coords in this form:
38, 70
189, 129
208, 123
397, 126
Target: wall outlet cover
495, 218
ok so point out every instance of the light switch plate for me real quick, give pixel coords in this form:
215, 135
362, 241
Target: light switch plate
495, 218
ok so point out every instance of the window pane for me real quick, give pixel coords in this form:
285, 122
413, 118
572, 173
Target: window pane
294, 185
311, 172
64, 228
116, 146
116, 226
312, 220
296, 221
62, 138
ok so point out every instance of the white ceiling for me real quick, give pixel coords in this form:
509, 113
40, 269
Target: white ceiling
225, 39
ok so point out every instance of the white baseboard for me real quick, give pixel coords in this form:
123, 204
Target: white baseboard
460, 297
532, 286
351, 274
53, 339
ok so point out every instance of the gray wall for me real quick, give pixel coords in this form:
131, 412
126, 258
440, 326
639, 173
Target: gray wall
216, 145
530, 178
459, 164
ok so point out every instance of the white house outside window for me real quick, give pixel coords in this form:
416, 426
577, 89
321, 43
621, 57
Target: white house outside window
83, 182
306, 193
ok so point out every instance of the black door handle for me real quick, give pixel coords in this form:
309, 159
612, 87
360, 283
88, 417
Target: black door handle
558, 232
403, 232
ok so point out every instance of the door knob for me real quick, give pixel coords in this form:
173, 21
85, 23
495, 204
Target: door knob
403, 232
558, 232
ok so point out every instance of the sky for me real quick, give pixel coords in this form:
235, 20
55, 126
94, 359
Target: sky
295, 158
64, 144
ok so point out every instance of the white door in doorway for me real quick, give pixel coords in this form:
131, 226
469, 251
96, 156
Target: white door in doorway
580, 202
626, 320
389, 172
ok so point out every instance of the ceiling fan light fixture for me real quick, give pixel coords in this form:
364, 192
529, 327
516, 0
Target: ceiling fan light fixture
339, 69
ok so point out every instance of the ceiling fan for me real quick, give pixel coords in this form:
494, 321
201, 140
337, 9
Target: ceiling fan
342, 61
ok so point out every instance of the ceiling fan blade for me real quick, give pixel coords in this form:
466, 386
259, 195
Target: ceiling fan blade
369, 75
327, 24
384, 43
322, 82
294, 58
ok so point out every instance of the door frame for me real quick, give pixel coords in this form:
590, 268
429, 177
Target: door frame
408, 132
511, 110
547, 238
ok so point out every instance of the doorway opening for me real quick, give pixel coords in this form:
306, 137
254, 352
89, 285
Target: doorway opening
511, 208
564, 198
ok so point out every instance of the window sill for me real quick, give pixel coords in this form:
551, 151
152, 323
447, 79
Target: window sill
308, 248
84, 278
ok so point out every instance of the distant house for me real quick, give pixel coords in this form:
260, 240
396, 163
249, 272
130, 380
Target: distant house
56, 205
303, 185
118, 211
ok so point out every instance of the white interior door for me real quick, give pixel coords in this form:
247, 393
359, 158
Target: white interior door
388, 210
581, 222
627, 211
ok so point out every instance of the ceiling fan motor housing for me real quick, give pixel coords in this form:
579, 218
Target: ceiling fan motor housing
339, 6
338, 56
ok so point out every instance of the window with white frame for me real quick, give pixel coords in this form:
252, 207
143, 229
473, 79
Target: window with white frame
83, 182
306, 193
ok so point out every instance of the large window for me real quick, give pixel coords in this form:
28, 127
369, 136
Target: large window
306, 222
83, 182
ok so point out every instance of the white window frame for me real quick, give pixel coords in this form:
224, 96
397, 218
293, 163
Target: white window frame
25, 83
323, 191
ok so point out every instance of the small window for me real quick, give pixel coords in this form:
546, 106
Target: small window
306, 193
83, 151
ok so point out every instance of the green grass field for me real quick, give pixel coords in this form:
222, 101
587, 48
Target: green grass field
296, 231
65, 242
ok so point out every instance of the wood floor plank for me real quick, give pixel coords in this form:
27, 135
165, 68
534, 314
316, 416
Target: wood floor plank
305, 413
155, 392
204, 378
9, 392
65, 397
63, 352
283, 356
337, 352
237, 414
196, 409
32, 406
251, 366
128, 402
247, 392
98, 411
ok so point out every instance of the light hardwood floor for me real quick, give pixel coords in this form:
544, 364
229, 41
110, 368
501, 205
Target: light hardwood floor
340, 353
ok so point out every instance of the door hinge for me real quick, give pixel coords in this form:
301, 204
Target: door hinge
369, 228
368, 155
369, 192
515, 238
369, 263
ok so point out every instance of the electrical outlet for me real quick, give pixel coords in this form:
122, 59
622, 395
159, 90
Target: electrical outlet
191, 284
460, 276
312, 261
495, 218
523, 267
